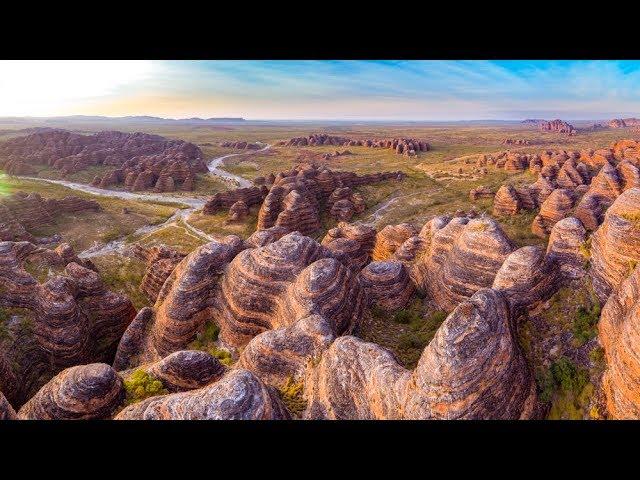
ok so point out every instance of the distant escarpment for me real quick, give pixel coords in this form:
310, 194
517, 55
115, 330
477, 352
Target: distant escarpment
402, 146
557, 126
22, 212
58, 314
140, 161
240, 145
624, 122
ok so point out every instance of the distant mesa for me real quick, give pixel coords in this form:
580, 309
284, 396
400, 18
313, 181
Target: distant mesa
408, 147
241, 145
624, 122
557, 126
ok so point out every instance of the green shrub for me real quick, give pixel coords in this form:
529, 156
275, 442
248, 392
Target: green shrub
141, 385
223, 356
291, 394
585, 248
584, 324
568, 377
546, 384
207, 336
405, 316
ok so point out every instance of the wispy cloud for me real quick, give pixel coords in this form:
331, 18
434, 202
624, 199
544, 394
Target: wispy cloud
414, 90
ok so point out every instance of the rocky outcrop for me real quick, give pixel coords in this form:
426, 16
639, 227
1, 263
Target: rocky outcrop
352, 243
131, 155
160, 262
6, 410
66, 316
557, 206
615, 246
516, 141
481, 192
83, 392
238, 212
240, 145
22, 212
225, 200
186, 370
557, 126
605, 187
276, 355
472, 369
387, 284
461, 256
567, 247
526, 278
185, 301
289, 279
506, 201
239, 395
402, 146
296, 197
623, 122
619, 336
390, 238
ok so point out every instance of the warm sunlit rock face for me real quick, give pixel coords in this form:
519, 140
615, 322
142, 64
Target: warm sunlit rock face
472, 369
605, 187
140, 161
615, 246
463, 256
619, 332
63, 316
556, 207
390, 238
272, 286
566, 247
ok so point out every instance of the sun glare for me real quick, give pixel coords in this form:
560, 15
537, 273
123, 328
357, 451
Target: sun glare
50, 87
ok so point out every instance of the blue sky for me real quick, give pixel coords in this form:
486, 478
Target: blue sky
394, 90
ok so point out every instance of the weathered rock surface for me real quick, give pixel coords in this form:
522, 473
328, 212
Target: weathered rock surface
64, 319
276, 355
566, 247
271, 287
619, 334
78, 393
557, 206
22, 212
526, 278
463, 256
390, 238
615, 246
6, 410
186, 370
387, 284
160, 262
472, 369
133, 155
239, 395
